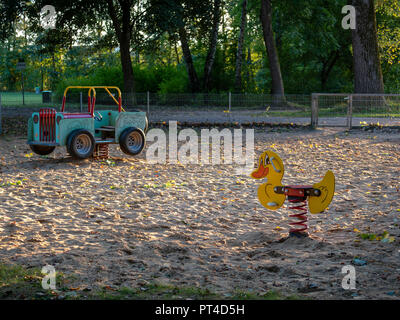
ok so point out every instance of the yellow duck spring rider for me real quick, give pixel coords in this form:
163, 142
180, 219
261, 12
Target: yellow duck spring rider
272, 194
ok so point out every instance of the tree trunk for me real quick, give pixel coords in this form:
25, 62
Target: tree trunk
127, 71
41, 78
213, 45
187, 55
54, 72
223, 27
249, 76
239, 53
176, 53
274, 66
367, 67
123, 31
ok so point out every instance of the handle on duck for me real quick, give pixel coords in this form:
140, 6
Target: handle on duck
273, 165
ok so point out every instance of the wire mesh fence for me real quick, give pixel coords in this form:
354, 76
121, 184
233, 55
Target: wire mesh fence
318, 109
376, 106
350, 110
228, 102
221, 108
199, 107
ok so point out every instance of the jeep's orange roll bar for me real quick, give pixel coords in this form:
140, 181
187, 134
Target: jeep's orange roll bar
92, 99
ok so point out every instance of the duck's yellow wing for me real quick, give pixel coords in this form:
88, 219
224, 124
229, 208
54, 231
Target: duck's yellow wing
268, 198
327, 187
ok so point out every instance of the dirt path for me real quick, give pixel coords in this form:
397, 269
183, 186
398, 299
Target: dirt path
127, 222
257, 116
218, 116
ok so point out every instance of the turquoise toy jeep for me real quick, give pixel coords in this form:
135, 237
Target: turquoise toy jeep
89, 133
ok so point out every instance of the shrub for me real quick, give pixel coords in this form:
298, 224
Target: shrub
163, 79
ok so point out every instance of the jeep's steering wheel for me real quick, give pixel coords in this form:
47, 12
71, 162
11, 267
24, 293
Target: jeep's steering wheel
98, 116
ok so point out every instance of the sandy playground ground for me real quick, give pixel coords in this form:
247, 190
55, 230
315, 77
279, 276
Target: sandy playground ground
130, 223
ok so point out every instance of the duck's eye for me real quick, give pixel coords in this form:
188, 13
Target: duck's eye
266, 161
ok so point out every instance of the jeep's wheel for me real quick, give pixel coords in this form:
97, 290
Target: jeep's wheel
146, 127
80, 144
132, 141
42, 150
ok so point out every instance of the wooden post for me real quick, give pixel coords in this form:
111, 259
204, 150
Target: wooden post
350, 112
314, 111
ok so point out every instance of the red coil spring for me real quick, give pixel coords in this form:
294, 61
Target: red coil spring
300, 226
101, 151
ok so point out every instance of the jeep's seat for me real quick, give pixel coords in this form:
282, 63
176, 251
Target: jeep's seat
106, 132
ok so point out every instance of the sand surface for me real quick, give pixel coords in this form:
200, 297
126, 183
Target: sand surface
129, 223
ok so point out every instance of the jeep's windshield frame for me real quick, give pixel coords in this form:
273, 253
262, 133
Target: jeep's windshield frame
92, 97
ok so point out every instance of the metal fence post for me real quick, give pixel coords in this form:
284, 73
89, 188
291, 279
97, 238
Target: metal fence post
81, 101
350, 112
314, 111
230, 101
148, 104
0, 115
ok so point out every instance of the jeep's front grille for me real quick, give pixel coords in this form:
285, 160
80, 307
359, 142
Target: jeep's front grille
47, 125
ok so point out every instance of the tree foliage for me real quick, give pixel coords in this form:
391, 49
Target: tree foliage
315, 52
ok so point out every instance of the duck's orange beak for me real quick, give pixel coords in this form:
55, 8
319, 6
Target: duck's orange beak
260, 173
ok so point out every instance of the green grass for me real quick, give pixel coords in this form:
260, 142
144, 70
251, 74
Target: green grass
376, 115
17, 283
390, 109
73, 107
169, 292
15, 98
284, 113
154, 292
327, 112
